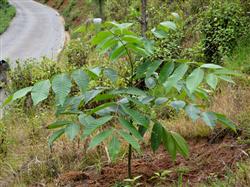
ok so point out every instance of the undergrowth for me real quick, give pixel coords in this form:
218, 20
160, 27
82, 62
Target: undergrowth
7, 12
240, 59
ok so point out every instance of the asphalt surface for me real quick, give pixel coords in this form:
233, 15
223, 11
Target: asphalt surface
35, 32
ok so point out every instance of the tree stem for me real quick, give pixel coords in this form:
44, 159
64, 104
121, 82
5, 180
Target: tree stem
144, 21
101, 4
129, 161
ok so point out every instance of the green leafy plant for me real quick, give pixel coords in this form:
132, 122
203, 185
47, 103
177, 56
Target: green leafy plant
7, 12
133, 181
162, 175
221, 26
169, 46
111, 115
77, 52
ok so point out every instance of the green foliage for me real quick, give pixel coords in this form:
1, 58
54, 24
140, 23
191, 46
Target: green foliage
7, 12
100, 7
61, 85
31, 71
128, 104
240, 58
40, 91
246, 5
196, 6
117, 10
169, 44
26, 130
221, 26
68, 9
76, 52
3, 141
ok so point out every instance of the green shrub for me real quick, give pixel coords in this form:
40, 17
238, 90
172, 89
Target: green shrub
31, 71
3, 4
77, 52
196, 6
194, 53
67, 10
240, 58
246, 5
117, 10
7, 12
221, 26
169, 47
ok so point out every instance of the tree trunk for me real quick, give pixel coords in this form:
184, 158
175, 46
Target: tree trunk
144, 21
101, 5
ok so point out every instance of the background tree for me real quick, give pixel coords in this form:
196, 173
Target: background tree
100, 4
144, 17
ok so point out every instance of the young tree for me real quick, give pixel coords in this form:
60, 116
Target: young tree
113, 114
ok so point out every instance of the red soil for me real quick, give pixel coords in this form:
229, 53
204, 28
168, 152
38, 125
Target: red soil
205, 161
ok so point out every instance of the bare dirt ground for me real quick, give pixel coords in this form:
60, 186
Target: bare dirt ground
206, 161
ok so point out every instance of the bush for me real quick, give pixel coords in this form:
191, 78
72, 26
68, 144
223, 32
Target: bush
240, 58
117, 10
221, 26
195, 6
77, 52
246, 5
32, 71
169, 47
29, 72
7, 12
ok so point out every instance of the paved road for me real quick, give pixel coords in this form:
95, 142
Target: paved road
36, 31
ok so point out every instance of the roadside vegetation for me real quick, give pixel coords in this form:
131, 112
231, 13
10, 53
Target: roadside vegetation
7, 12
159, 98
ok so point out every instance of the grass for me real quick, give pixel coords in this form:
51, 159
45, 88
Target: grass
239, 177
25, 158
234, 101
240, 59
7, 12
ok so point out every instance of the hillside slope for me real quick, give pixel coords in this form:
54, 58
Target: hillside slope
75, 12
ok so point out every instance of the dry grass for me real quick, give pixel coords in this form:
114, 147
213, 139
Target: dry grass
26, 142
29, 160
230, 100
188, 128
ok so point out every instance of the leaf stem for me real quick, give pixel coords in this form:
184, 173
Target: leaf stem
129, 57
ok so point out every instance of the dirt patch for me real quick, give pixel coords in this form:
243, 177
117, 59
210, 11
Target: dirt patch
206, 161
